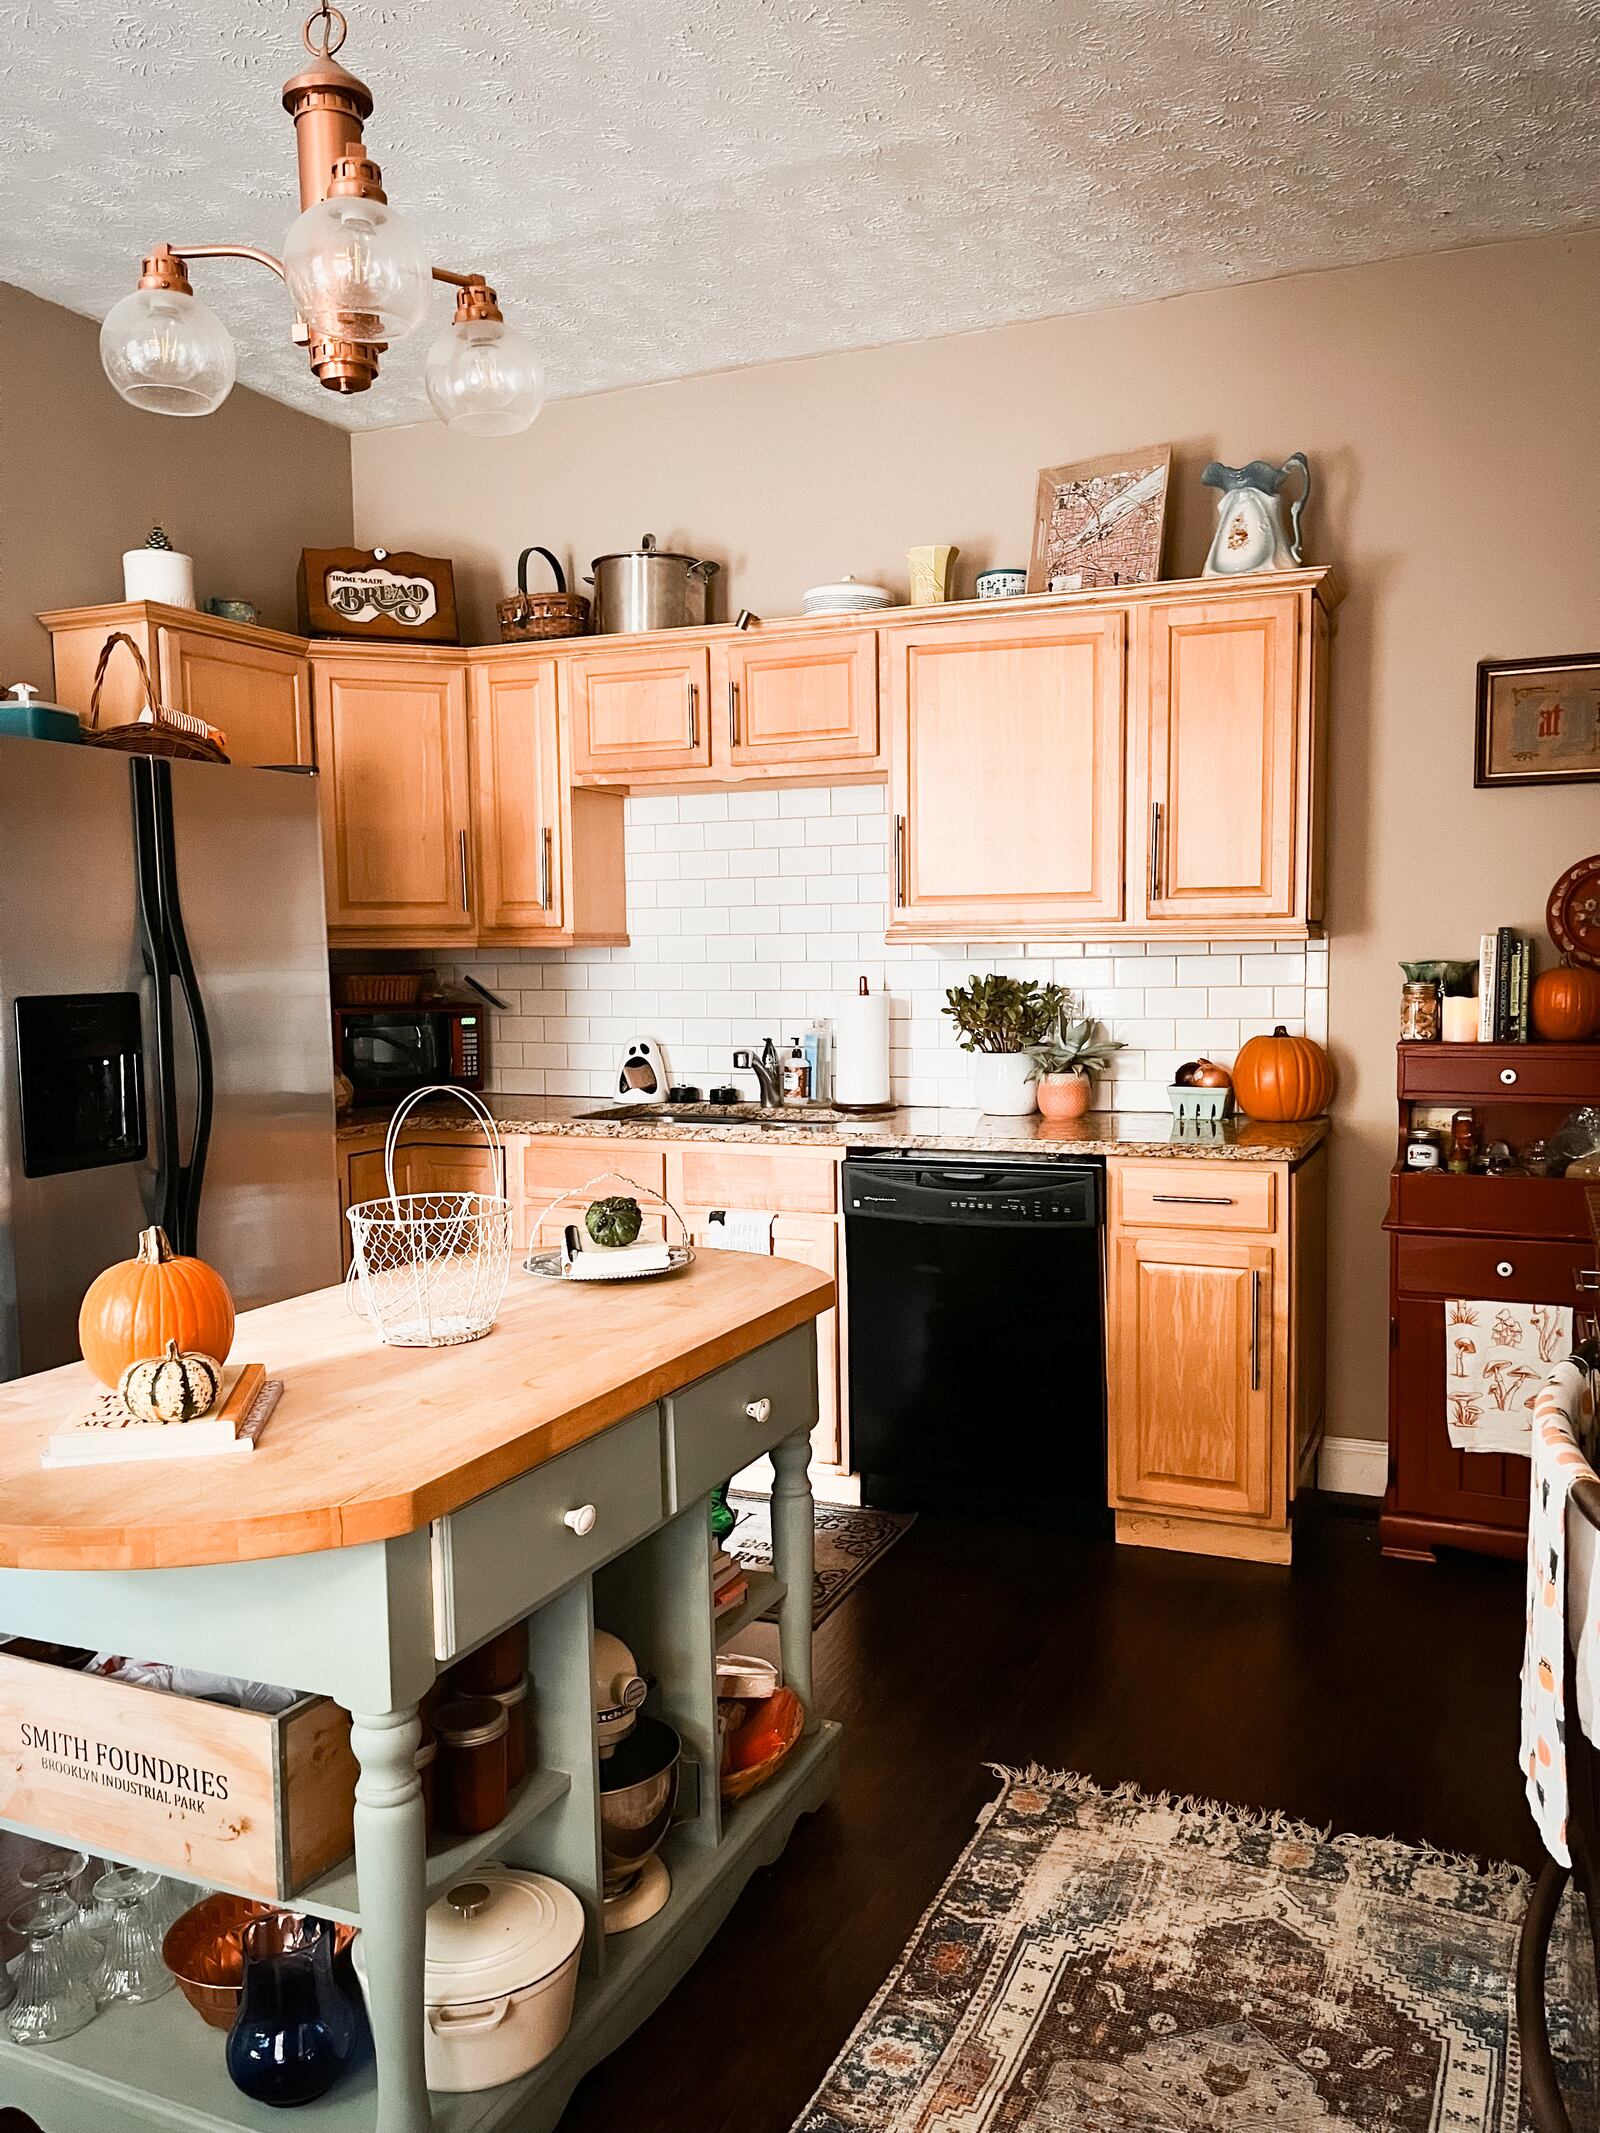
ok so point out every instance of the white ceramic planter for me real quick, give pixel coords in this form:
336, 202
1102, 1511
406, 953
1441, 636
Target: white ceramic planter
1003, 1087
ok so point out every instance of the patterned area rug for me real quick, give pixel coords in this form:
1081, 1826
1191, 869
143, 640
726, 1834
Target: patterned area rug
1113, 1963
849, 1541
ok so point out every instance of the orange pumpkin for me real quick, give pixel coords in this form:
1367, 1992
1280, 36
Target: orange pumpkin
135, 1308
1564, 1004
1281, 1077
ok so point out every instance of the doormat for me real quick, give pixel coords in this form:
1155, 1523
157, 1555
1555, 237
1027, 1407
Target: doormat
1111, 1962
849, 1541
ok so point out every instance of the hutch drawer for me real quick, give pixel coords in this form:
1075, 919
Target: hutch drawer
1196, 1196
1519, 1270
722, 1422
496, 1560
243, 1800
1474, 1073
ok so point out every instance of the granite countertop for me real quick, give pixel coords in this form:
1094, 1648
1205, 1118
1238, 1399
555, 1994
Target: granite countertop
1136, 1133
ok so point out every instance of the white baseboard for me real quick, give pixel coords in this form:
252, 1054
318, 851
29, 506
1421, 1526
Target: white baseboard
1353, 1466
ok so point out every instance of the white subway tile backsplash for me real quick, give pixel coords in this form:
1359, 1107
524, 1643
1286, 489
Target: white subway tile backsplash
751, 911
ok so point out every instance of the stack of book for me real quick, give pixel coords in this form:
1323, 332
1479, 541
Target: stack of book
1505, 972
105, 1433
729, 1584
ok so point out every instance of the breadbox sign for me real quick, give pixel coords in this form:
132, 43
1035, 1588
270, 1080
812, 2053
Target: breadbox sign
389, 596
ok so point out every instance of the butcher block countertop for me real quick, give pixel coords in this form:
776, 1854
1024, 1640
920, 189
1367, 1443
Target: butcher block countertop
369, 1443
1110, 1133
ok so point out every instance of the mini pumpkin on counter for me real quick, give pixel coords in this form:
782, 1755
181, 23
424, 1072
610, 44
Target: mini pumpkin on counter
136, 1307
1282, 1077
175, 1387
614, 1222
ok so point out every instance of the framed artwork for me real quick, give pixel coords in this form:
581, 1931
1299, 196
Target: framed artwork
1538, 721
1100, 522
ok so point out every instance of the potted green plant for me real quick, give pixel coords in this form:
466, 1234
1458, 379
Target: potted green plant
998, 1018
1064, 1066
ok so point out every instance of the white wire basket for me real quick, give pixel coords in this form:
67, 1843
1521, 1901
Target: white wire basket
430, 1268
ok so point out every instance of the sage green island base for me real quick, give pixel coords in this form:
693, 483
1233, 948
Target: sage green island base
371, 1625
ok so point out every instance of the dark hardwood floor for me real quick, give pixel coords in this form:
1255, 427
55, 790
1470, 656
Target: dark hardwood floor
1374, 1696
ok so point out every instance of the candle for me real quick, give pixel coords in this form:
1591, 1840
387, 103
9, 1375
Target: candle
1460, 1018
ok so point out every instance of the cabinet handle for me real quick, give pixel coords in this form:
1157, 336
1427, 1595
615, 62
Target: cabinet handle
899, 861
733, 714
580, 1521
1155, 851
1508, 1075
544, 868
1255, 1329
1193, 1199
1505, 1269
466, 882
694, 715
758, 1410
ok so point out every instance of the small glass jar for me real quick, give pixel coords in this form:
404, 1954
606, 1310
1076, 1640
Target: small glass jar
427, 1760
1419, 1014
514, 1702
470, 1786
499, 1664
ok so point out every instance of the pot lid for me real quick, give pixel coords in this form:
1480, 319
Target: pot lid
647, 551
495, 1931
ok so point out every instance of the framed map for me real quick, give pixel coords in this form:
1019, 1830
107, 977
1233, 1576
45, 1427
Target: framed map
1100, 522
1538, 721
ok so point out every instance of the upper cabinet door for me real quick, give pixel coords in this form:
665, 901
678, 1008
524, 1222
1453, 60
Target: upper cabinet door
795, 700
639, 708
396, 800
1223, 747
522, 848
1006, 771
261, 699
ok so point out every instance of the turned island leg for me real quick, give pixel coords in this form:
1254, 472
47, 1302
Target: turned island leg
793, 1555
391, 1869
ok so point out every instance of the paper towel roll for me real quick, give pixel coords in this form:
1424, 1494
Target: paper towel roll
861, 1050
158, 574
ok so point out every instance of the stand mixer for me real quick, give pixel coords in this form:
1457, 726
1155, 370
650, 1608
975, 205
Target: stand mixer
639, 1759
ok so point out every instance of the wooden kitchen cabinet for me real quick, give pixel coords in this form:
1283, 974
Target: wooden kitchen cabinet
1221, 787
637, 709
1006, 779
794, 700
549, 861
392, 746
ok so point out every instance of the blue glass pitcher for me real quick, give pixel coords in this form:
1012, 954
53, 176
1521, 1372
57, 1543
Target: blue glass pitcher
295, 2029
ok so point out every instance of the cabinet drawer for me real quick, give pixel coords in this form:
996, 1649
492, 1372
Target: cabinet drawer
1517, 1269
1467, 1073
799, 1181
711, 1432
504, 1555
1178, 1195
551, 1167
243, 1799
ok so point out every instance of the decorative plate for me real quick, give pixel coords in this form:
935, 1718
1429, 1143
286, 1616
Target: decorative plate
548, 1266
1572, 917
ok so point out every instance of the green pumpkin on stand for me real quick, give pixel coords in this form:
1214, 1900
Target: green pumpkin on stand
723, 1516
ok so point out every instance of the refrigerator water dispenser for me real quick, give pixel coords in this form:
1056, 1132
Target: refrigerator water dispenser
80, 1071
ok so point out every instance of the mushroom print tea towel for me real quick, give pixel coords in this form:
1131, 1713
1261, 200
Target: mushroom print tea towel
1496, 1356
1560, 1441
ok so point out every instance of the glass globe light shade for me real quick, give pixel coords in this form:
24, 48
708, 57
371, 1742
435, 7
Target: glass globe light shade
484, 378
167, 353
357, 271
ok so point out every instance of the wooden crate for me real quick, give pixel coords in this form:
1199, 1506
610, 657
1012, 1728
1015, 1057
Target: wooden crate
235, 1799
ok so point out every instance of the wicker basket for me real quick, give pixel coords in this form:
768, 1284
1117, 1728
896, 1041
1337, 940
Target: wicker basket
529, 617
378, 988
156, 731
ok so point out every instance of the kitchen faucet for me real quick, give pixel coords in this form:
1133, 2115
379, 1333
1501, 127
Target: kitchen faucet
768, 1070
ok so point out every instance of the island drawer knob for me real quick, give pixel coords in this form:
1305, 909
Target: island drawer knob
758, 1410
1505, 1269
581, 1520
1508, 1075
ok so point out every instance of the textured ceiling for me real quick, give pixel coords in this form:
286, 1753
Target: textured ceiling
658, 187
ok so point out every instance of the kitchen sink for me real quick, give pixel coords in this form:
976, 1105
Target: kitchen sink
798, 1118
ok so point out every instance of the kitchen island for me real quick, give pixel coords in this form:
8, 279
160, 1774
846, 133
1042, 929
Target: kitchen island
404, 1506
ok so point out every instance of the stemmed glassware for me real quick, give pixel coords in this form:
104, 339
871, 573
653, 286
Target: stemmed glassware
54, 1999
132, 1968
56, 1873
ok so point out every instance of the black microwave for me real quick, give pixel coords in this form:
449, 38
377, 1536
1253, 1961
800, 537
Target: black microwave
389, 1051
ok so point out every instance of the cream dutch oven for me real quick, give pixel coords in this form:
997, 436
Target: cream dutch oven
501, 1971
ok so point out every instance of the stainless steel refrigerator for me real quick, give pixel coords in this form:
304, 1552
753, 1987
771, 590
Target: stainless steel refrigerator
164, 1030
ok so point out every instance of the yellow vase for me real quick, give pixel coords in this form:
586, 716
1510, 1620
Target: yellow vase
930, 574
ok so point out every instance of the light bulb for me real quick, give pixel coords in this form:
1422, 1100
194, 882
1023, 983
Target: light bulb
356, 270
484, 378
167, 353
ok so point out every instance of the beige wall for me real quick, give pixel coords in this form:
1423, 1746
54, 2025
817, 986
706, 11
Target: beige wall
84, 475
1450, 410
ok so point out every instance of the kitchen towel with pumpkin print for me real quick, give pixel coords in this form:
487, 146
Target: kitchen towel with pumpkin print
1496, 1356
1563, 1435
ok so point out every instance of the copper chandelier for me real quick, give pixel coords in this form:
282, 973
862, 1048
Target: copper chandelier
357, 273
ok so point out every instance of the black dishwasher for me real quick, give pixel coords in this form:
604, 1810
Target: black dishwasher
977, 1364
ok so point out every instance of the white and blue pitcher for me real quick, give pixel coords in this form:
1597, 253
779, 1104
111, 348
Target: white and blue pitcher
1250, 531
